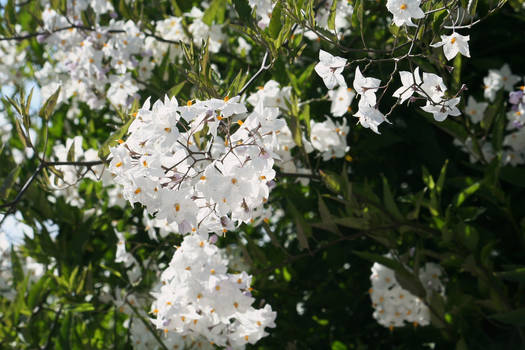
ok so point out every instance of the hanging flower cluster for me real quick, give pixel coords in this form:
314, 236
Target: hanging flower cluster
199, 297
395, 306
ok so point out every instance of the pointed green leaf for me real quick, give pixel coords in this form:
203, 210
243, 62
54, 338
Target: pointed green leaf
49, 105
331, 16
275, 22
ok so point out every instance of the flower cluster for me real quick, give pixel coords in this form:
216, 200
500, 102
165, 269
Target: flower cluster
134, 305
393, 305
199, 297
430, 87
199, 166
114, 59
329, 138
481, 148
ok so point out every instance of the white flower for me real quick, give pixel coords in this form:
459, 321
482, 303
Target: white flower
432, 87
369, 116
410, 81
492, 83
444, 109
330, 138
330, 68
341, 100
271, 95
508, 79
475, 110
454, 44
404, 11
366, 87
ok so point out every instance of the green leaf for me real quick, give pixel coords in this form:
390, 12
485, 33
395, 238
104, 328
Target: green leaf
275, 22
214, 12
16, 267
428, 179
10, 15
36, 292
103, 152
517, 275
456, 73
243, 9
9, 182
468, 235
410, 282
515, 317
332, 180
176, 8
84, 307
305, 117
303, 229
438, 307
331, 16
337, 345
71, 153
49, 105
467, 192
390, 203
174, 91
441, 180
461, 344
28, 103
64, 338
25, 139
439, 17
356, 223
237, 83
326, 217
